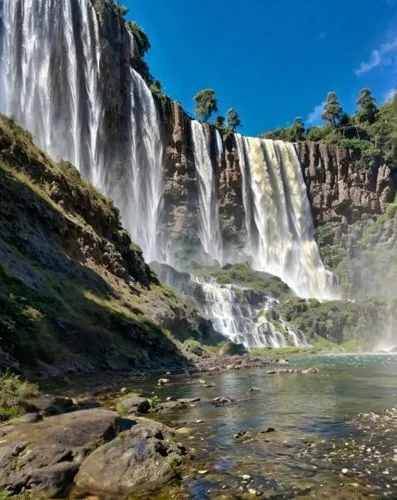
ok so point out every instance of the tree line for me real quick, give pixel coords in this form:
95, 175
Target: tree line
206, 104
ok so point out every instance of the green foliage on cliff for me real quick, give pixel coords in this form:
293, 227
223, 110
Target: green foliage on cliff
371, 132
233, 120
206, 104
242, 275
337, 321
141, 39
122, 9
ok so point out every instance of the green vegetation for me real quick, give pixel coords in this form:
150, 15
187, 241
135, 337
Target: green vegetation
219, 122
142, 43
194, 347
122, 9
233, 120
206, 104
371, 133
336, 321
13, 392
333, 111
242, 275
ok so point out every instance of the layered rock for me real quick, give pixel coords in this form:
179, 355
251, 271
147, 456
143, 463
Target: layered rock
340, 185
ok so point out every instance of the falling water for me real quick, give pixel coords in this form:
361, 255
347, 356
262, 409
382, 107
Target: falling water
278, 219
52, 84
233, 314
210, 235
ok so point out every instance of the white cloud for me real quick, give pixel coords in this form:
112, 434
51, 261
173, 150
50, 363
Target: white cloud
315, 115
381, 56
389, 95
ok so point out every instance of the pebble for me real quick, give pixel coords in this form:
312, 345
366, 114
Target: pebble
252, 492
246, 477
123, 390
199, 421
203, 472
345, 471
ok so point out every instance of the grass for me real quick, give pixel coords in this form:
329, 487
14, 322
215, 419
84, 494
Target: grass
14, 390
320, 345
242, 275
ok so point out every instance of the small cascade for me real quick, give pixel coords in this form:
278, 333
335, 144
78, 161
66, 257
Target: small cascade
209, 233
242, 319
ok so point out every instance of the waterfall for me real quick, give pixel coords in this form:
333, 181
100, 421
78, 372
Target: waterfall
238, 317
52, 84
278, 220
209, 233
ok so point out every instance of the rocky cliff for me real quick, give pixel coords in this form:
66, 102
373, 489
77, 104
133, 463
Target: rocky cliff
75, 293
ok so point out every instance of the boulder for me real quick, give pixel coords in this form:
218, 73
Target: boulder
134, 405
138, 461
231, 349
46, 455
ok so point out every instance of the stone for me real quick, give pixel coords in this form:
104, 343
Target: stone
28, 418
222, 400
48, 404
46, 455
138, 461
309, 371
163, 381
134, 405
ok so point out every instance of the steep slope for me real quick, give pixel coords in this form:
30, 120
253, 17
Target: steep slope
75, 293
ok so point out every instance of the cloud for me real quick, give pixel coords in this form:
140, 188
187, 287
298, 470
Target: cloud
382, 56
315, 115
388, 96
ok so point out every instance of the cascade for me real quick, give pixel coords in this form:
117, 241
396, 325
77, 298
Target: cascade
234, 314
209, 232
52, 84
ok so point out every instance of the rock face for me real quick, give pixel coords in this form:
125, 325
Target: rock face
138, 461
46, 456
341, 186
110, 455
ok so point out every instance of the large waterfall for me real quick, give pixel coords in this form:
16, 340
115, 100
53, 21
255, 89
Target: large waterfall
86, 104
51, 83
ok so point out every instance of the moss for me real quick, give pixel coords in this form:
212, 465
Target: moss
336, 321
242, 275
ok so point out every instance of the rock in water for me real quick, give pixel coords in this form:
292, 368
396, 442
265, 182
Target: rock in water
137, 461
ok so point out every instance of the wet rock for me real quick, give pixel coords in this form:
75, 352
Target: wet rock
134, 405
222, 400
88, 404
253, 389
208, 385
270, 429
309, 371
137, 461
48, 405
163, 381
46, 455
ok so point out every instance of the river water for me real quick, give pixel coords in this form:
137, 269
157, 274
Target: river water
319, 449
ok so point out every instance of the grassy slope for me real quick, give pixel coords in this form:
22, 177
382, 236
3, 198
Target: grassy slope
74, 291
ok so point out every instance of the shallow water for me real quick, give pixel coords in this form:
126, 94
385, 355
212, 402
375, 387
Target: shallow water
315, 438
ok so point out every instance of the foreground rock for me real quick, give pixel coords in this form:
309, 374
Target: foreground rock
46, 455
96, 449
138, 461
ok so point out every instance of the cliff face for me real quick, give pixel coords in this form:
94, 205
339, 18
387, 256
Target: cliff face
338, 183
340, 186
75, 293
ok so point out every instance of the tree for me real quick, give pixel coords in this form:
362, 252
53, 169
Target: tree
368, 111
219, 122
394, 127
332, 110
206, 104
296, 132
233, 119
122, 9
142, 41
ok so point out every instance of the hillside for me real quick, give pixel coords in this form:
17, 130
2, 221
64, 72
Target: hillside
75, 292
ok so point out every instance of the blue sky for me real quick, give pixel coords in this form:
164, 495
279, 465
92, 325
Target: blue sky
271, 60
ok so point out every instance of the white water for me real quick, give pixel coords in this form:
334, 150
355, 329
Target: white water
278, 220
52, 84
232, 313
209, 232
